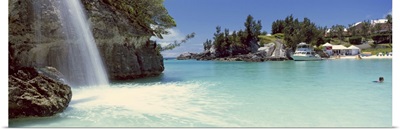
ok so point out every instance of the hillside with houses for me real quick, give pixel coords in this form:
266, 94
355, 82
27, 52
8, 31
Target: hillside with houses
366, 38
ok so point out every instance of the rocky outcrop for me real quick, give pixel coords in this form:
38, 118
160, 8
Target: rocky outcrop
271, 52
36, 35
187, 56
126, 51
126, 62
37, 92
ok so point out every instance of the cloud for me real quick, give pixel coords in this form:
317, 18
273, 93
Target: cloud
384, 15
170, 54
193, 48
174, 35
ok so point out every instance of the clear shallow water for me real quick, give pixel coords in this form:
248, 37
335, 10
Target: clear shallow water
329, 93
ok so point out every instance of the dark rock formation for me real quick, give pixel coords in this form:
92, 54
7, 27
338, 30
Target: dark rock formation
37, 92
187, 56
271, 52
126, 50
36, 36
126, 62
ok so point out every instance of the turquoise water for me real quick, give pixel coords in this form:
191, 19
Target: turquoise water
328, 93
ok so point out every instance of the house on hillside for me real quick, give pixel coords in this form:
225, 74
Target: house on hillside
380, 25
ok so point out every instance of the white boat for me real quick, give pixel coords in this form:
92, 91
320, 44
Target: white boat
305, 52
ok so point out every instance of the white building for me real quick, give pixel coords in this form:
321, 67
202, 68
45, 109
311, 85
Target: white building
354, 50
327, 47
377, 21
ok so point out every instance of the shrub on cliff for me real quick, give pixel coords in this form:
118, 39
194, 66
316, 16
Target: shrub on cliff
356, 40
150, 15
382, 38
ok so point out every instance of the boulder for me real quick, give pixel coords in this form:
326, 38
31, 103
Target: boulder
37, 92
188, 55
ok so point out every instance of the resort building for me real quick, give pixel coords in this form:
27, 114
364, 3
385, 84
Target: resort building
327, 48
340, 49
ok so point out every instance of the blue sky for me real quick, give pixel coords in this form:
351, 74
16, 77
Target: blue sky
202, 16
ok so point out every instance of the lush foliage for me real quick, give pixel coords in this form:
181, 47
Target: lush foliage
278, 26
296, 31
376, 51
381, 38
238, 42
148, 15
389, 22
379, 32
175, 43
337, 31
355, 40
264, 39
207, 45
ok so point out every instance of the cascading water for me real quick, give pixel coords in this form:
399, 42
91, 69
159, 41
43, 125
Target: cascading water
85, 58
79, 59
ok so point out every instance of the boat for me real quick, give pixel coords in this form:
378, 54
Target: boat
305, 52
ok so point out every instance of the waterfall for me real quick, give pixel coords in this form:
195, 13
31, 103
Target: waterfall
84, 56
75, 53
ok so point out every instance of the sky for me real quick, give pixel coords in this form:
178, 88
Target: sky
202, 16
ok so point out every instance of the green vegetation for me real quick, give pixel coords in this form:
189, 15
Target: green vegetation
264, 39
148, 15
381, 38
355, 40
360, 33
337, 31
375, 51
239, 42
296, 31
175, 43
347, 44
207, 45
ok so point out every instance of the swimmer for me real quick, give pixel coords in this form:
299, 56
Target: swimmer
380, 80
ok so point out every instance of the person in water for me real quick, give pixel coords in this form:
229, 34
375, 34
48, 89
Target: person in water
380, 80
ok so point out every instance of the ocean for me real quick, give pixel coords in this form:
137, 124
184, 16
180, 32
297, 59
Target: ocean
190, 93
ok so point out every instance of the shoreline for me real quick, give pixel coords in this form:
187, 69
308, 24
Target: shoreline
363, 57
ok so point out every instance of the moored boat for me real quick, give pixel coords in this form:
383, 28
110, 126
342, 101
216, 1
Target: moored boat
305, 52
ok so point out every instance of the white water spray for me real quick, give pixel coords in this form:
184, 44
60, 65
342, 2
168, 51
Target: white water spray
84, 65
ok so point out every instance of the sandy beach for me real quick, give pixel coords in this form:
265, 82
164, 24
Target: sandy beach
363, 57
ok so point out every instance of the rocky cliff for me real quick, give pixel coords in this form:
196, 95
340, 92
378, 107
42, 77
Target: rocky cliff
36, 36
126, 50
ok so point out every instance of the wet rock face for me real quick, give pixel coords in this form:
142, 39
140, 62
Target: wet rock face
37, 39
37, 92
125, 62
126, 51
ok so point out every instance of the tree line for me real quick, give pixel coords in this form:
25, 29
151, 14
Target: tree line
237, 42
296, 31
293, 31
